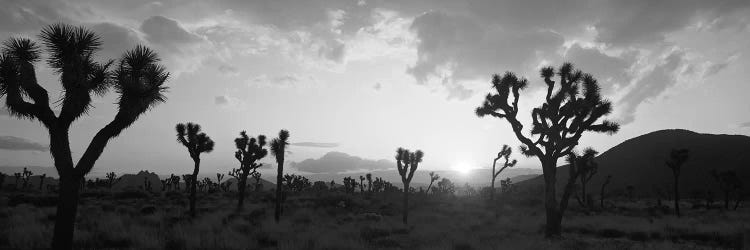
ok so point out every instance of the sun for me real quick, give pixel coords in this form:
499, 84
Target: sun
462, 168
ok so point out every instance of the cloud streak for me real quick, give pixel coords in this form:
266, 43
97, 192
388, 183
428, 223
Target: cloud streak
316, 144
13, 143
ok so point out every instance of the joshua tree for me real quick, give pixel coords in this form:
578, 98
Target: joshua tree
407, 163
445, 186
111, 179
249, 151
572, 106
369, 182
349, 184
18, 179
587, 168
728, 182
677, 157
137, 78
278, 148
219, 176
506, 185
146, 184
601, 193
433, 178
361, 184
187, 179
25, 177
196, 142
41, 180
504, 153
258, 185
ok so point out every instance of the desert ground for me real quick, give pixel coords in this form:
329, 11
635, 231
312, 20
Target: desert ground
136, 219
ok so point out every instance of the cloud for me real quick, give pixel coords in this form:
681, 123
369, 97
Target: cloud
744, 125
116, 39
316, 144
453, 48
626, 23
221, 100
651, 85
378, 86
165, 31
20, 144
611, 71
337, 162
4, 112
282, 81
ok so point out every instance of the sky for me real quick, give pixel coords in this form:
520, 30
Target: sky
352, 80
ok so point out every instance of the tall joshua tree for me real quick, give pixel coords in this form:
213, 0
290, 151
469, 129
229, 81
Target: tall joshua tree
407, 163
136, 76
433, 177
278, 148
362, 184
249, 151
504, 153
572, 106
196, 142
677, 158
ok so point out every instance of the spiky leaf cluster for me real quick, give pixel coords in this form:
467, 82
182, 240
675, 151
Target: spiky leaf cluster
407, 163
197, 142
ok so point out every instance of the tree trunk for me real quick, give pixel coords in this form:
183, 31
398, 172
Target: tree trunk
601, 196
554, 219
241, 191
583, 192
66, 212
492, 187
676, 195
406, 203
726, 200
739, 200
193, 184
279, 192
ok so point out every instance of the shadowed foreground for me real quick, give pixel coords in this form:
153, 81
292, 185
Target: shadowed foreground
336, 220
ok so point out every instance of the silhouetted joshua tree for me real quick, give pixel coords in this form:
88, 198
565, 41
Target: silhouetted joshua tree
18, 180
587, 168
601, 193
249, 151
361, 184
677, 157
369, 182
504, 153
729, 182
25, 177
572, 106
111, 176
137, 78
349, 184
433, 178
506, 185
407, 163
196, 142
258, 185
41, 181
278, 148
187, 179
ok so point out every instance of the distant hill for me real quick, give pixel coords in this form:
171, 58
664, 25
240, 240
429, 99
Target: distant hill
640, 162
475, 177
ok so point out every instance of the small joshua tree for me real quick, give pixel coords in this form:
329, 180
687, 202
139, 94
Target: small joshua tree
573, 105
587, 168
25, 177
433, 177
506, 185
369, 182
278, 148
41, 181
446, 187
729, 182
407, 163
258, 185
349, 184
503, 154
111, 176
249, 151
362, 184
219, 176
677, 158
601, 193
196, 142
18, 179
